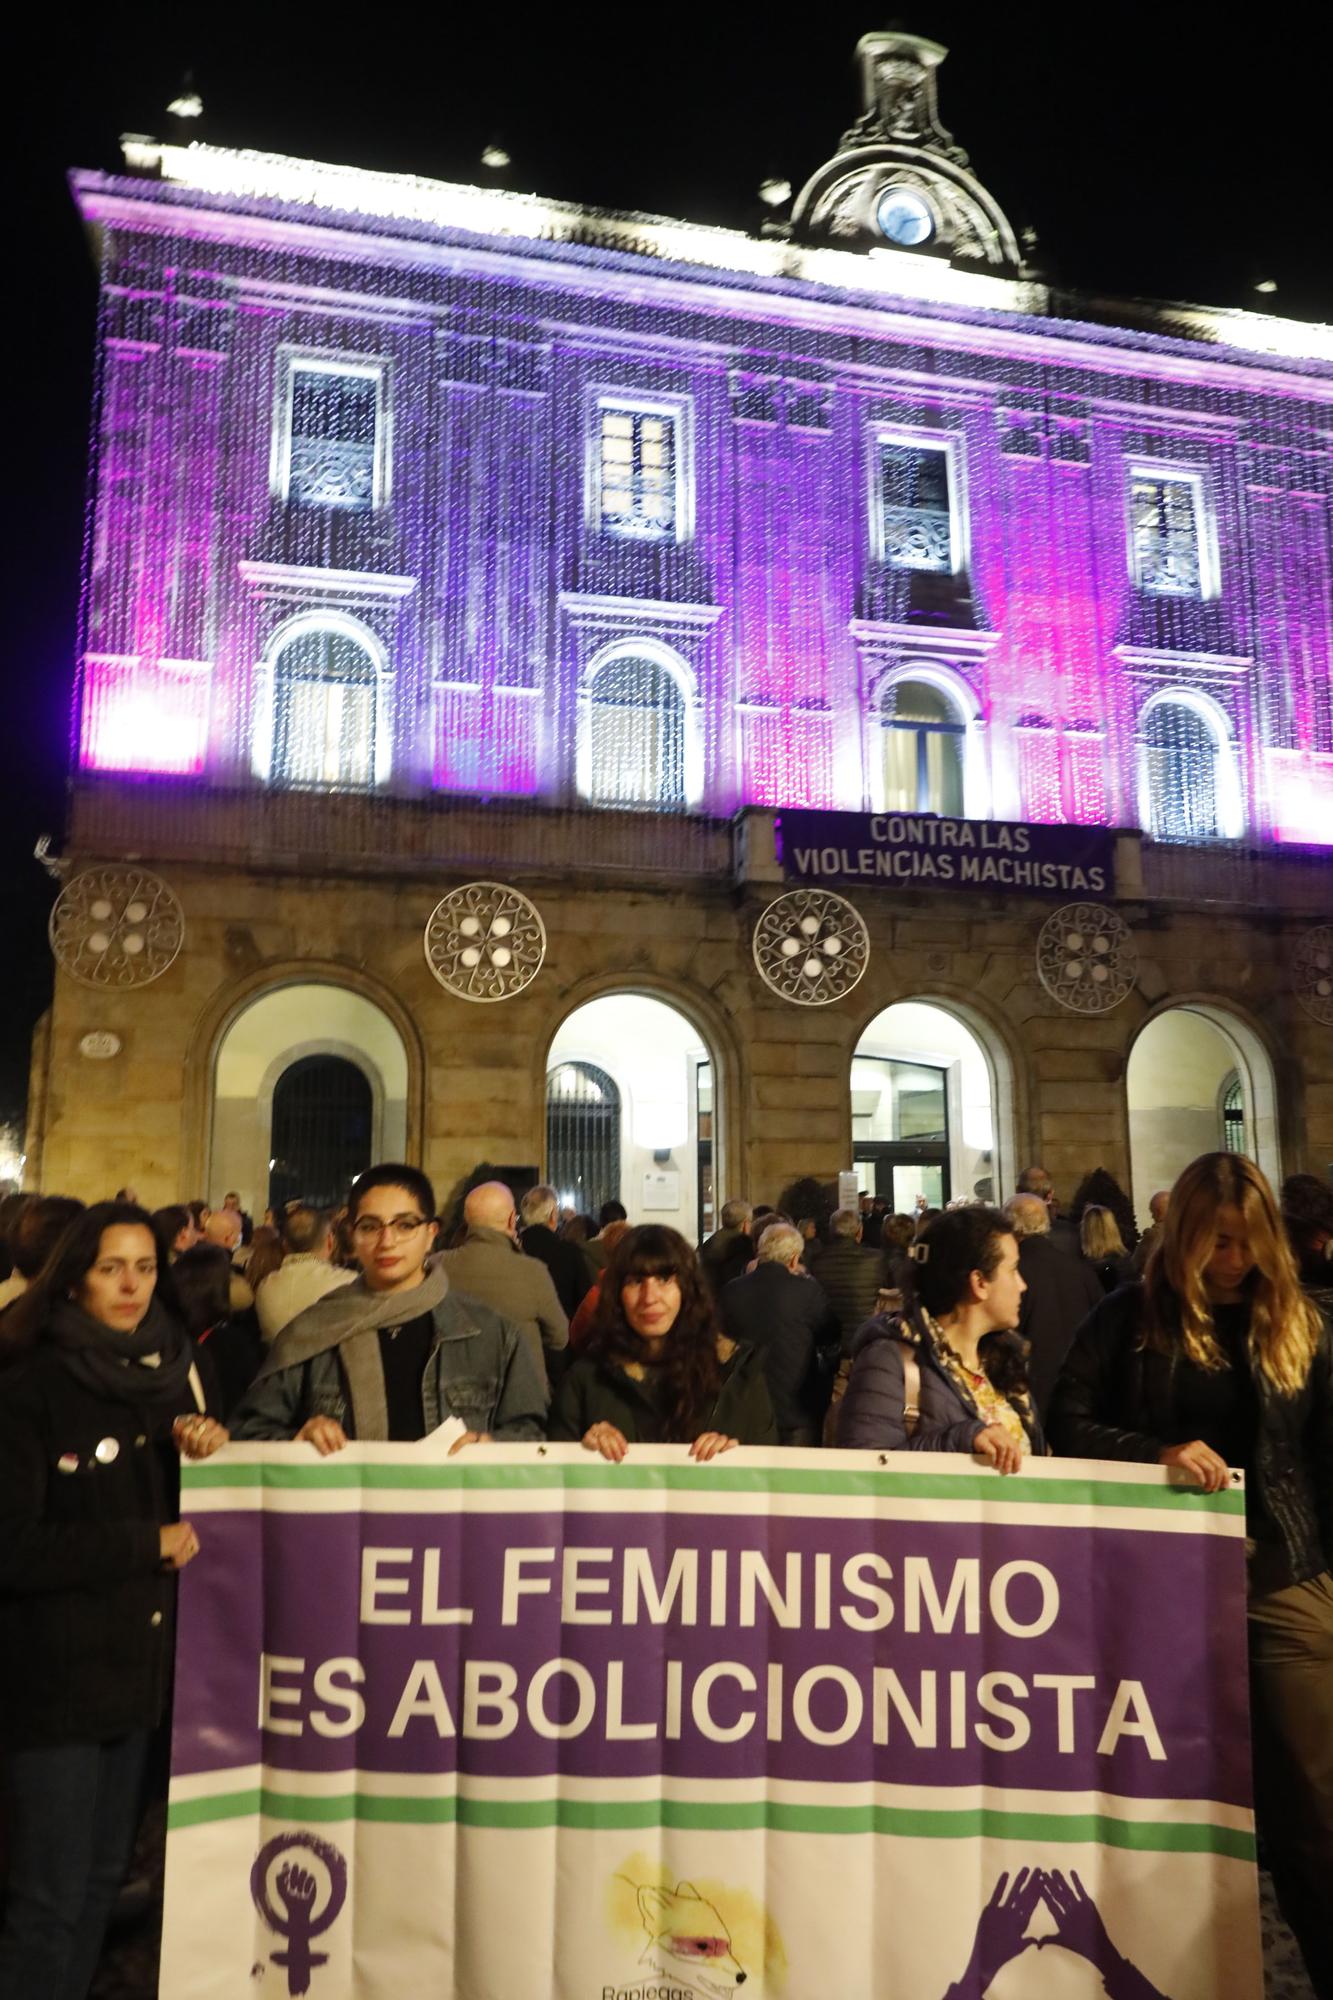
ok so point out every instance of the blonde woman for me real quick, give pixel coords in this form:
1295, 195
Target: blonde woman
1101, 1243
1219, 1359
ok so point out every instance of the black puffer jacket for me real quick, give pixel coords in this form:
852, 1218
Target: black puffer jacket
1117, 1399
87, 1616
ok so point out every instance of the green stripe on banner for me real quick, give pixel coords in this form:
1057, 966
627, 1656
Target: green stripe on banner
726, 1479
907, 1822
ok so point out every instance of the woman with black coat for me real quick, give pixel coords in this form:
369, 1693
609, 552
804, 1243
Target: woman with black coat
656, 1368
1217, 1359
948, 1373
99, 1392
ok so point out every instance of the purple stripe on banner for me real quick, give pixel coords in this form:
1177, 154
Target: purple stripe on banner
1033, 1696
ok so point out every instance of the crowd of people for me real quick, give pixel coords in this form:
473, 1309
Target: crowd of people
129, 1339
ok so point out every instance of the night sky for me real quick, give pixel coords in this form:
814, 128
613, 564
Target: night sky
1158, 152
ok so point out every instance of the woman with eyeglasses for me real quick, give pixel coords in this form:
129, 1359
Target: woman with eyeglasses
1217, 1359
396, 1353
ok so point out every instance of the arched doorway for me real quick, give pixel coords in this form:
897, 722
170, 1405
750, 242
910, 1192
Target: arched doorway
260, 1079
323, 1131
924, 1108
630, 1097
1198, 1081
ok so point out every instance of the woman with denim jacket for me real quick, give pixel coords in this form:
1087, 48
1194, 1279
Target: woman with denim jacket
960, 1308
1218, 1360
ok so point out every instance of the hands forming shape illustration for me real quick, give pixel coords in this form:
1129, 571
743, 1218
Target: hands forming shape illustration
1003, 1922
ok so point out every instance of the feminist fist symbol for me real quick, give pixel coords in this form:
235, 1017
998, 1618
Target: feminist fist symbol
298, 1891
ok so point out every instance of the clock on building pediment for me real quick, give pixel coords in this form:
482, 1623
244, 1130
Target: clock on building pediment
898, 181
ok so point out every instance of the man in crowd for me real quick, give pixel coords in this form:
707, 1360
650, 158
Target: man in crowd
599, 1249
306, 1272
783, 1313
1063, 1234
1157, 1208
223, 1227
395, 1354
850, 1275
729, 1249
571, 1273
489, 1265
1061, 1292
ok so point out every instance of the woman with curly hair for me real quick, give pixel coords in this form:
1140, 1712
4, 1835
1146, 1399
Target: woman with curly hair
1218, 1359
655, 1368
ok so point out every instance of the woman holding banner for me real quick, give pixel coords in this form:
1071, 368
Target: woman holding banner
949, 1373
99, 1392
655, 1369
1218, 1360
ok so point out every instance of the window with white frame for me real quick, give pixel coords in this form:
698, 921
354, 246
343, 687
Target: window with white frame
325, 711
1170, 543
334, 439
916, 528
638, 466
1182, 774
922, 738
636, 724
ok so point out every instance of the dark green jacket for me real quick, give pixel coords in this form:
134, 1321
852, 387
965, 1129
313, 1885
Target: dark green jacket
599, 1392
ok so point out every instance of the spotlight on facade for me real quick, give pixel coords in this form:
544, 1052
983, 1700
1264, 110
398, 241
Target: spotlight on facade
494, 156
775, 192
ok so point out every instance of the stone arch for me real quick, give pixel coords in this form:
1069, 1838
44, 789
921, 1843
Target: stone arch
1005, 1066
227, 1006
714, 1030
319, 619
1229, 792
1238, 1043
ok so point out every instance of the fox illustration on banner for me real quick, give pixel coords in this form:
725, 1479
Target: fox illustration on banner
780, 1725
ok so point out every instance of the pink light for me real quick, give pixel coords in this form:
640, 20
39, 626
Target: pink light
141, 718
1301, 787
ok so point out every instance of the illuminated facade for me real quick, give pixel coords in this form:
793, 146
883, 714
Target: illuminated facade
443, 533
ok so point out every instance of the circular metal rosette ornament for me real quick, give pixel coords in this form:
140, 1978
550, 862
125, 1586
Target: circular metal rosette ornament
117, 927
485, 941
1313, 967
1086, 958
811, 947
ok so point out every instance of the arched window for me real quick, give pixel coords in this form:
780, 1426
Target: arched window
323, 1122
325, 697
1181, 775
1233, 1113
636, 721
583, 1135
922, 746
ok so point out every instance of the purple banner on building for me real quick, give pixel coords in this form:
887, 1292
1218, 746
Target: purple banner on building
925, 851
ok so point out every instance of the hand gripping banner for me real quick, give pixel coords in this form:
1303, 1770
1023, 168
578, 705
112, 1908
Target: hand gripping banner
790, 1725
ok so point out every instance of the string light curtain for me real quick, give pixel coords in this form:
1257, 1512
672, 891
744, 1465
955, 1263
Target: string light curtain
483, 478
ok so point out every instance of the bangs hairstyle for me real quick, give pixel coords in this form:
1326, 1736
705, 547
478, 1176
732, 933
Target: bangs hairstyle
689, 1353
1284, 1324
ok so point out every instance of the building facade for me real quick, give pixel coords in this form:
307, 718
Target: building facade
483, 594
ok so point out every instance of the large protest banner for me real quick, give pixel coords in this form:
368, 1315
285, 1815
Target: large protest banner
522, 1724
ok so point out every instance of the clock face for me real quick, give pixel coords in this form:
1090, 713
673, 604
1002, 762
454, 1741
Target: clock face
904, 217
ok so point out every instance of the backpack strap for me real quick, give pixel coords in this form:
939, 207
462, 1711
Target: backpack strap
911, 1387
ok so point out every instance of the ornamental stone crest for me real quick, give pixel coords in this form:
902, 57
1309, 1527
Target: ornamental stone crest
1086, 958
811, 947
485, 941
1313, 969
116, 927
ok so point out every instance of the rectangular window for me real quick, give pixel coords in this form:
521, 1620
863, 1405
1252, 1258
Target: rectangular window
916, 524
1168, 540
638, 456
334, 426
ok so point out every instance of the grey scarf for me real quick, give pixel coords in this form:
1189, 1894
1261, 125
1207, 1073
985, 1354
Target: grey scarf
350, 1320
